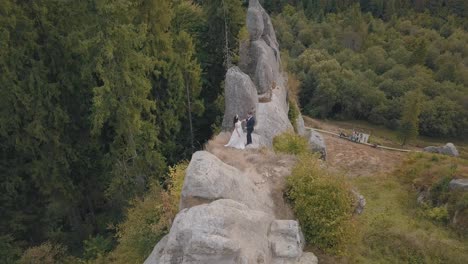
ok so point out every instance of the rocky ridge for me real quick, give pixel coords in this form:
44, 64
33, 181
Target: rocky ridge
229, 212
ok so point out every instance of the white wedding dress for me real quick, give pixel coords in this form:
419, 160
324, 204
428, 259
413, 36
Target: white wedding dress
237, 138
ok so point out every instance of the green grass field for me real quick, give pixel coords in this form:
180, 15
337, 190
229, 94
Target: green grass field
393, 227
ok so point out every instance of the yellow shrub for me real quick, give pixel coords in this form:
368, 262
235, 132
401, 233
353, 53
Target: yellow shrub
46, 253
290, 143
149, 219
323, 203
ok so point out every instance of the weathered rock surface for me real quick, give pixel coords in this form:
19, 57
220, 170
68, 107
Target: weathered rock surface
226, 231
260, 57
208, 179
240, 96
157, 251
286, 241
360, 202
266, 69
459, 184
449, 149
308, 258
317, 143
271, 119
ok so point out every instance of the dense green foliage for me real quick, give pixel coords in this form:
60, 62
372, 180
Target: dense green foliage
323, 204
290, 143
409, 125
354, 65
95, 106
148, 220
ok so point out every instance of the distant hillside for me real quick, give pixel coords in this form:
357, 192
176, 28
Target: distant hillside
357, 65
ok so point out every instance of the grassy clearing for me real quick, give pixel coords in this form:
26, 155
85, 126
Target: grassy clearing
392, 230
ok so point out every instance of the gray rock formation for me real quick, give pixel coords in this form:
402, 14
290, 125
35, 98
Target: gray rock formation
317, 144
208, 179
308, 258
157, 251
360, 202
265, 65
225, 218
449, 149
286, 241
459, 184
271, 119
260, 57
240, 96
228, 232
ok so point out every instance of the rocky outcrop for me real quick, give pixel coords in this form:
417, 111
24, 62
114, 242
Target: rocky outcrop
241, 96
261, 57
286, 241
449, 149
224, 216
458, 184
317, 143
308, 258
225, 232
208, 179
272, 119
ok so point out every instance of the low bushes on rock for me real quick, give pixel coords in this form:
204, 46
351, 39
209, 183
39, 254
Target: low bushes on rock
322, 202
290, 143
148, 220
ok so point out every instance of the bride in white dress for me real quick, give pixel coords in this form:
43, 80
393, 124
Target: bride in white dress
237, 137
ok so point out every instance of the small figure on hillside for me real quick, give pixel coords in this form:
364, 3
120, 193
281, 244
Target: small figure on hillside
237, 139
250, 123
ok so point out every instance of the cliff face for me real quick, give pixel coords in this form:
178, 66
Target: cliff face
228, 213
260, 67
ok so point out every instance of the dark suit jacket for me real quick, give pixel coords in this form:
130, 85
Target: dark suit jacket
250, 123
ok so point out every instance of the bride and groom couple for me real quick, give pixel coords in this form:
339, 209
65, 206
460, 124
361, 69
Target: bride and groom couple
237, 138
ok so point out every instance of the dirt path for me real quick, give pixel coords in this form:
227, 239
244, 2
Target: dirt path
355, 159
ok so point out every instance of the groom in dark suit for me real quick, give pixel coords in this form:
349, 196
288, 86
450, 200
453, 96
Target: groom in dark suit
250, 123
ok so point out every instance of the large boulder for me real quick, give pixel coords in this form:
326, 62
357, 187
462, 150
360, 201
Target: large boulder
240, 96
286, 241
459, 184
254, 22
449, 149
317, 143
157, 251
260, 57
265, 65
228, 232
208, 179
271, 119
308, 258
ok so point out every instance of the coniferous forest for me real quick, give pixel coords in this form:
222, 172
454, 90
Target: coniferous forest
99, 98
95, 107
